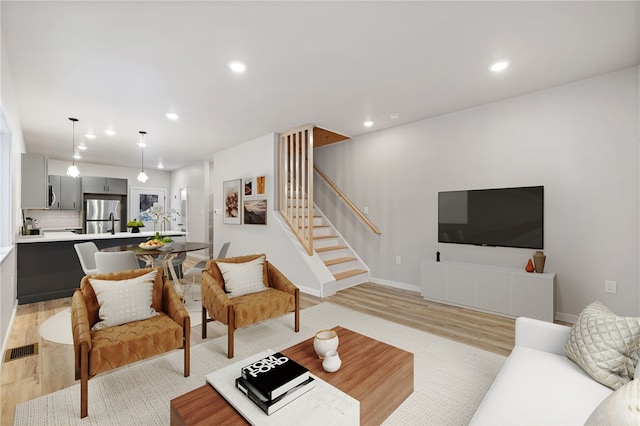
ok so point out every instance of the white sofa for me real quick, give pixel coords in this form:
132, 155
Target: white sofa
538, 384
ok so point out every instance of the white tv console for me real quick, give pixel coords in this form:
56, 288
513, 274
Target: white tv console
505, 291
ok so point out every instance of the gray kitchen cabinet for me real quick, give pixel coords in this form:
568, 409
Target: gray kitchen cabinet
102, 185
35, 189
65, 192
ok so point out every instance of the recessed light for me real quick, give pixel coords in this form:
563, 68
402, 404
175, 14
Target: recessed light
82, 147
172, 116
160, 166
395, 116
367, 123
77, 156
89, 136
237, 66
110, 132
499, 66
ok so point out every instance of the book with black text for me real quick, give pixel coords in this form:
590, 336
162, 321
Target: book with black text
273, 405
274, 375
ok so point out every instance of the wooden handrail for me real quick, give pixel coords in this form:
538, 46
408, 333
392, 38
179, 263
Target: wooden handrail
347, 201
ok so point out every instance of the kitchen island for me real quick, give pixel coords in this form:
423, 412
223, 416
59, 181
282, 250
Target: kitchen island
48, 265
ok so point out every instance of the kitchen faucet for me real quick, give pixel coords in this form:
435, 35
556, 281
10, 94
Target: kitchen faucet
113, 223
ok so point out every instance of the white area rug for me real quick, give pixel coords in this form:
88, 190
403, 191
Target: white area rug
449, 384
57, 328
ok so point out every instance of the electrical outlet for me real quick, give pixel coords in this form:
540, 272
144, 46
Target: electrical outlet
398, 260
609, 286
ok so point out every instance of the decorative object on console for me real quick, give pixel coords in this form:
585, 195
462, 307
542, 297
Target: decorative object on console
538, 260
142, 177
605, 345
529, 267
73, 170
324, 342
332, 362
437, 256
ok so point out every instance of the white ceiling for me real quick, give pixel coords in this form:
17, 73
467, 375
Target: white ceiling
335, 64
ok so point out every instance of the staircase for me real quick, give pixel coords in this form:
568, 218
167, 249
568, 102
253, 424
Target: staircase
347, 268
309, 225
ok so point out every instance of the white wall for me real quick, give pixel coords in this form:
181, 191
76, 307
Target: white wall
195, 179
251, 159
8, 268
579, 140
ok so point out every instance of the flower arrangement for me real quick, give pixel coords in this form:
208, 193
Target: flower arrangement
162, 215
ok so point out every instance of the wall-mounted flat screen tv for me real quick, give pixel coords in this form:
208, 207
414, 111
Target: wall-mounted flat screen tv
505, 217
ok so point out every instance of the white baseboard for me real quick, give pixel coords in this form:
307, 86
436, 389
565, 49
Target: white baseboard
9, 328
561, 316
310, 291
396, 284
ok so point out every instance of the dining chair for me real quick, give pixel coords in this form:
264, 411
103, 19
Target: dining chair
196, 270
86, 255
116, 261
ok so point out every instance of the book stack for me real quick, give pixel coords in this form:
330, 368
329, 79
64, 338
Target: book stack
274, 381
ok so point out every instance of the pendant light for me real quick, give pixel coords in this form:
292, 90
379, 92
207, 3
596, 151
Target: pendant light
142, 177
73, 170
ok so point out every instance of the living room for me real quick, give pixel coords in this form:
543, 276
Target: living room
578, 139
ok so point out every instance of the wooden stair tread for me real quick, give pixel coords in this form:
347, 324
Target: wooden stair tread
322, 249
316, 226
322, 237
350, 273
337, 260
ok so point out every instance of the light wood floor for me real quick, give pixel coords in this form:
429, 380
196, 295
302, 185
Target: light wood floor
53, 369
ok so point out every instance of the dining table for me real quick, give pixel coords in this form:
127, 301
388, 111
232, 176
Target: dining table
165, 254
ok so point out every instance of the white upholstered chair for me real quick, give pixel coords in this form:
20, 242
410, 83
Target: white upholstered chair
116, 261
86, 255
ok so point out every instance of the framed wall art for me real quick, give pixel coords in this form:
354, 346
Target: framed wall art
249, 187
232, 194
255, 212
260, 185
142, 199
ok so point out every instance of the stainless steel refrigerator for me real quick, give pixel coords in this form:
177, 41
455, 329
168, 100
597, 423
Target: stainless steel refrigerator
102, 216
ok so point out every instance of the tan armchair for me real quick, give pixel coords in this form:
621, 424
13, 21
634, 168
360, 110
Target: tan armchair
112, 347
281, 297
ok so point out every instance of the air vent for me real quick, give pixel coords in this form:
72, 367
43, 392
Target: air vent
21, 352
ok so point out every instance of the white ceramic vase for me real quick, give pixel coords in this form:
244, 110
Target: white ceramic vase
332, 362
325, 341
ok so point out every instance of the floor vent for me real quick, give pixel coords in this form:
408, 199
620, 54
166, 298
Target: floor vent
21, 352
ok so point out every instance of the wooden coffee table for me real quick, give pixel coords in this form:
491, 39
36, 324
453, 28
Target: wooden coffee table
378, 375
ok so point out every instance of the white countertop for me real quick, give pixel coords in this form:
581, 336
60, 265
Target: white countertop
47, 237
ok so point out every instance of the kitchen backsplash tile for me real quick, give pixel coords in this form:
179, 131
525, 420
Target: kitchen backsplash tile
55, 218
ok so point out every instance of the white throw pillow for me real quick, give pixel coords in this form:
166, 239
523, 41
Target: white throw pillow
621, 408
125, 300
243, 278
605, 345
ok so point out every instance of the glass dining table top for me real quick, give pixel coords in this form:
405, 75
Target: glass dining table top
174, 248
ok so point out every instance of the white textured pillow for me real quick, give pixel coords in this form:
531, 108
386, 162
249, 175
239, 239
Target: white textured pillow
605, 345
243, 278
621, 408
125, 300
